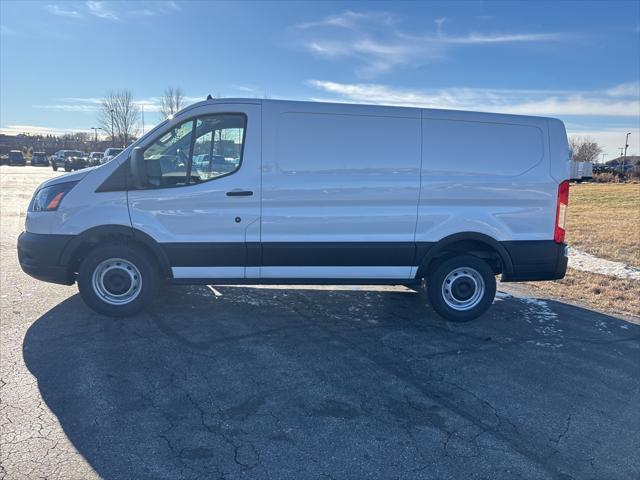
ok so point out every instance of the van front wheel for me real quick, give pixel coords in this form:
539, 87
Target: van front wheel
461, 288
118, 280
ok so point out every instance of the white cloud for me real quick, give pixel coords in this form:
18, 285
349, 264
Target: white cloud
631, 89
73, 104
69, 108
245, 88
94, 100
350, 19
93, 104
376, 43
151, 8
523, 102
61, 12
115, 11
99, 9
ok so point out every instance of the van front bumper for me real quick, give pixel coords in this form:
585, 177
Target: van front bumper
39, 256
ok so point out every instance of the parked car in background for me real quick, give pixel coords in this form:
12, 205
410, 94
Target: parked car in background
16, 158
110, 153
39, 158
60, 157
95, 158
75, 162
602, 168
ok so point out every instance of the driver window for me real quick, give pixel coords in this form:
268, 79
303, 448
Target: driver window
218, 146
167, 159
196, 151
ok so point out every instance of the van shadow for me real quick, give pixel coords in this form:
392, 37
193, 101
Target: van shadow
303, 383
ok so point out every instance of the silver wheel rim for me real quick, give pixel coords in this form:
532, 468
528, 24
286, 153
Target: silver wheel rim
463, 288
117, 281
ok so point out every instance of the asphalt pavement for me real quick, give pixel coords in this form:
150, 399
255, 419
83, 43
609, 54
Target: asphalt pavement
307, 383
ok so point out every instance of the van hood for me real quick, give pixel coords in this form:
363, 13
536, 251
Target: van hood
68, 177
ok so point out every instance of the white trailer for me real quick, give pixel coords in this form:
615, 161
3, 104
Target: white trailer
581, 171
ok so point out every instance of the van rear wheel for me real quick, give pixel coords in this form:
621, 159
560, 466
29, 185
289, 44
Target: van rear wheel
461, 288
118, 280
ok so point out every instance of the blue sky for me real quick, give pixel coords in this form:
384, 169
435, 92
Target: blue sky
576, 61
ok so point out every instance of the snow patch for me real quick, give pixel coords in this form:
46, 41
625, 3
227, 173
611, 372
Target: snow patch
544, 321
579, 260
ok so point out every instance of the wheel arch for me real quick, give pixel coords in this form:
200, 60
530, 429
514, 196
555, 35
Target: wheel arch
87, 240
467, 242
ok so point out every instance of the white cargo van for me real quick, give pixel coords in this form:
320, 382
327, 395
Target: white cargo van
265, 191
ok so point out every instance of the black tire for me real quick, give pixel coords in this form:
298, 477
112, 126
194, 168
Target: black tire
67, 169
147, 266
465, 281
55, 167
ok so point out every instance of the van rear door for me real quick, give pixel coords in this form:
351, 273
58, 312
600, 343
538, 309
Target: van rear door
201, 200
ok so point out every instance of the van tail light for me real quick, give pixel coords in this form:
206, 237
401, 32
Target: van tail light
561, 212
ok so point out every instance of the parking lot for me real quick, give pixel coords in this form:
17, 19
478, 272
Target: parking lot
303, 382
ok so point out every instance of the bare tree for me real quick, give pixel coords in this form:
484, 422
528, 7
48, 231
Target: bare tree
119, 116
172, 102
584, 149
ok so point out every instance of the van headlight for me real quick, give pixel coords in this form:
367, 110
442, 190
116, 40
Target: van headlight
48, 199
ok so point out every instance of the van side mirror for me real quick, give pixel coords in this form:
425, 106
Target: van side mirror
138, 170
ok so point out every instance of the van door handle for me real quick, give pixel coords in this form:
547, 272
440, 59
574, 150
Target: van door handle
239, 193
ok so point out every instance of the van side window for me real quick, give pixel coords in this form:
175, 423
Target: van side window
196, 151
217, 149
166, 160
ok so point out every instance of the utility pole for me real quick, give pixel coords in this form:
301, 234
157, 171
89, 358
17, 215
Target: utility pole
112, 127
142, 106
626, 145
95, 137
603, 155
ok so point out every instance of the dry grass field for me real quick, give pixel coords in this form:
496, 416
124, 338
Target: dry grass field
603, 220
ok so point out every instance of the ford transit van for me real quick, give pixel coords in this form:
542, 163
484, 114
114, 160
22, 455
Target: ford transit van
269, 192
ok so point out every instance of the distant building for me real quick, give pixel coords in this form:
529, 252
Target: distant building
50, 143
631, 160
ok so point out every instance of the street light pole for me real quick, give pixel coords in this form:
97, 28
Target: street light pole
142, 106
95, 131
603, 155
112, 127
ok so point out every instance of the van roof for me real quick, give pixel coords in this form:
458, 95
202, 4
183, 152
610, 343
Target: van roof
445, 113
